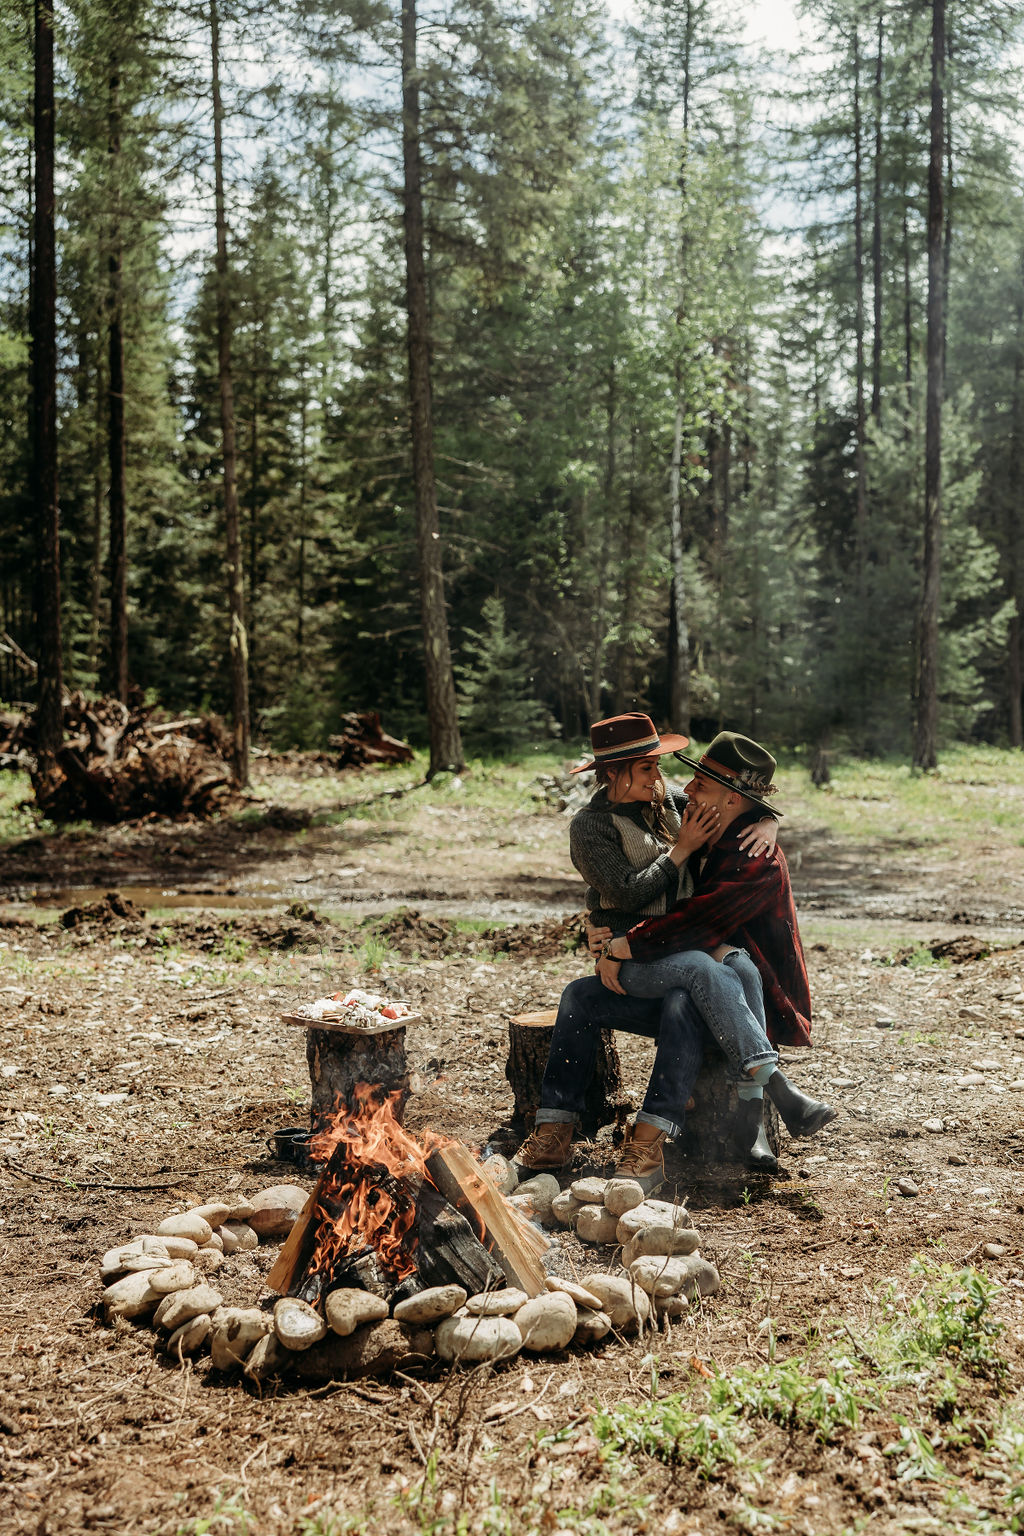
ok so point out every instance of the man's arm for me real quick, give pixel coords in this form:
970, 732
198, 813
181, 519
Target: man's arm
730, 895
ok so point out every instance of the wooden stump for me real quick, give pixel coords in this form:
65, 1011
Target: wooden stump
707, 1133
338, 1061
529, 1042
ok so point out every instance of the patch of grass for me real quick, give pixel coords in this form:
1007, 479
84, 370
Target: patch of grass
375, 952
921, 957
227, 1518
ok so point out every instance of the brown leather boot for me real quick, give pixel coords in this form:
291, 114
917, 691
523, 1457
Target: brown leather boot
546, 1149
642, 1158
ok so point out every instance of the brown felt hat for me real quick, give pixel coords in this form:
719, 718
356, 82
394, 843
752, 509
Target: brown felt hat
623, 738
740, 764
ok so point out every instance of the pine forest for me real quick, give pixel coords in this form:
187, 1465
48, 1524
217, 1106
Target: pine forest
502, 364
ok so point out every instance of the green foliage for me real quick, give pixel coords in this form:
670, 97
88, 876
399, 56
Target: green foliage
496, 707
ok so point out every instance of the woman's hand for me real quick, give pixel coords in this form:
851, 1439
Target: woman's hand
700, 822
761, 837
596, 937
608, 970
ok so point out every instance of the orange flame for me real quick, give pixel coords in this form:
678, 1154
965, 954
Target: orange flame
357, 1211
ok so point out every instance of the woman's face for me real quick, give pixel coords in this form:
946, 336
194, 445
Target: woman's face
638, 781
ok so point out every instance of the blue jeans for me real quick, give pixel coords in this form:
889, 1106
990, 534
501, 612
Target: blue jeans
586, 1007
727, 993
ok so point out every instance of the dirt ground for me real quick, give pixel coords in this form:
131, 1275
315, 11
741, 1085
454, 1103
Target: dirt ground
144, 1065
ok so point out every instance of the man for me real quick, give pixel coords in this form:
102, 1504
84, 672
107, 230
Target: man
738, 902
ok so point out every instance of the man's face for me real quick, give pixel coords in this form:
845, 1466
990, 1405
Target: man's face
704, 791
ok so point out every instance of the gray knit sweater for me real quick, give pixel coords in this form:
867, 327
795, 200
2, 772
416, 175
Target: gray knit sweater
625, 862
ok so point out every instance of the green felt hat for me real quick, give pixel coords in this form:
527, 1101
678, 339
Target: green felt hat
740, 764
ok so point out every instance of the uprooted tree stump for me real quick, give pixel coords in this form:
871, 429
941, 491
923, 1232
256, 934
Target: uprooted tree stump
529, 1042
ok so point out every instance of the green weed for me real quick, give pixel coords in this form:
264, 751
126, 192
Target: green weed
374, 952
227, 1518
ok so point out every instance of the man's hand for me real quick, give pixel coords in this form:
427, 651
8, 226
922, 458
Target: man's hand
596, 939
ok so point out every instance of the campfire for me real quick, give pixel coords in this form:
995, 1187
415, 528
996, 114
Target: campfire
396, 1215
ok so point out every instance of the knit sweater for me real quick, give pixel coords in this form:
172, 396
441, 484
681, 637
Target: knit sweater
625, 861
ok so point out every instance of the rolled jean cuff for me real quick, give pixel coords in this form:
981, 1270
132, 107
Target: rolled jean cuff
668, 1126
751, 1063
555, 1117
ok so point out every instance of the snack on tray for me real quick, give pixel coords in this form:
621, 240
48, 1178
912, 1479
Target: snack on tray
355, 1007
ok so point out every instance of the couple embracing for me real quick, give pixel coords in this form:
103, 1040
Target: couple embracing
692, 925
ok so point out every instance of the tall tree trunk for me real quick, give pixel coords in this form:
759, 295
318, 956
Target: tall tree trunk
238, 644
679, 657
876, 236
926, 725
46, 506
861, 703
116, 449
1012, 529
442, 709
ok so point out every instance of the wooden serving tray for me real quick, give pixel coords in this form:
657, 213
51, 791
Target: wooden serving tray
339, 1027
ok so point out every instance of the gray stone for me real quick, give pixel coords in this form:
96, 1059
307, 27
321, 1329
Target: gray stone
702, 1278
430, 1306
934, 1127
190, 1337
186, 1224
235, 1331
470, 1340
541, 1191
296, 1324
993, 1251
589, 1191
238, 1237
906, 1186
591, 1325
276, 1210
661, 1277
622, 1195
117, 1262
502, 1172
547, 1322
215, 1213
179, 1276
347, 1309
267, 1357
580, 1295
971, 1080
659, 1239
625, 1303
240, 1211
652, 1213
564, 1207
496, 1303
215, 1241
595, 1225
179, 1306
207, 1261
131, 1296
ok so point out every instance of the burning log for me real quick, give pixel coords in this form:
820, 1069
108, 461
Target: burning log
529, 1042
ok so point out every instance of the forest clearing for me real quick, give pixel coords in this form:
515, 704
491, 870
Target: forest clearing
861, 1367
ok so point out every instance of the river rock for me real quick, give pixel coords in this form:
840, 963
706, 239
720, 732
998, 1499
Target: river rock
547, 1322
906, 1186
496, 1303
591, 1325
994, 1251
652, 1213
430, 1306
215, 1242
622, 1195
235, 1331
595, 1225
186, 1224
589, 1191
207, 1261
239, 1233
190, 1337
502, 1172
542, 1190
624, 1302
934, 1127
702, 1279
179, 1276
296, 1324
347, 1308
564, 1207
267, 1357
241, 1210
215, 1213
131, 1296
276, 1210
116, 1262
179, 1306
177, 1247
472, 1339
663, 1276
580, 1295
657, 1239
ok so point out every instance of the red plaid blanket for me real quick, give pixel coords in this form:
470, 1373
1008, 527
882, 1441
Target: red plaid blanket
747, 902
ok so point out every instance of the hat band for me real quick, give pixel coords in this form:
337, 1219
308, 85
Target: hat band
628, 749
747, 779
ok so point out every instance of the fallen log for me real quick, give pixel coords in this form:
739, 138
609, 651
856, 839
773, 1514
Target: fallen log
362, 741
